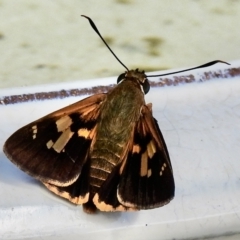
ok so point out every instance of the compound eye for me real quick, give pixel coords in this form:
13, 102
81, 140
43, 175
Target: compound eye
121, 77
146, 86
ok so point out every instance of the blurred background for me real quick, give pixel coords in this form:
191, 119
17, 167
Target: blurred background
48, 41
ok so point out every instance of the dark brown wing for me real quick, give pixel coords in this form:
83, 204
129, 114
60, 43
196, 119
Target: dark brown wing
54, 148
147, 177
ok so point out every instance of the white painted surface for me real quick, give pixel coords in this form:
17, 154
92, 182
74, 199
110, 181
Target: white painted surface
200, 123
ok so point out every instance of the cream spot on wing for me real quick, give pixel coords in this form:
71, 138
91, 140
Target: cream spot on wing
62, 140
162, 169
149, 173
75, 200
63, 123
49, 144
136, 148
34, 128
83, 132
151, 149
144, 164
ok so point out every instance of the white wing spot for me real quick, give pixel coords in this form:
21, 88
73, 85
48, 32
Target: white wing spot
49, 144
83, 132
151, 149
63, 123
34, 128
162, 169
62, 140
149, 173
136, 148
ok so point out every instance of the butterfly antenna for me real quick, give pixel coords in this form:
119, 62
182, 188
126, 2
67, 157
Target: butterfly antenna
98, 33
185, 70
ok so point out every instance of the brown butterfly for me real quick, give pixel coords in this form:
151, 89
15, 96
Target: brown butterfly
105, 152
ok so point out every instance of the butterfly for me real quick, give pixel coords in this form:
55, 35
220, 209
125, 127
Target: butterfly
105, 152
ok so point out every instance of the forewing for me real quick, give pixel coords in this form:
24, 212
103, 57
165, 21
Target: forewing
54, 148
146, 177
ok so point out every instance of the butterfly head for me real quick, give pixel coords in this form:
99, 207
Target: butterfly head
135, 76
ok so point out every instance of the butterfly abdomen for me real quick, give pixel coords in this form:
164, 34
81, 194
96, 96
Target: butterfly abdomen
104, 158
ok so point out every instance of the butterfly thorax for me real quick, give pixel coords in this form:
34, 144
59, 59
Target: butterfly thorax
120, 111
